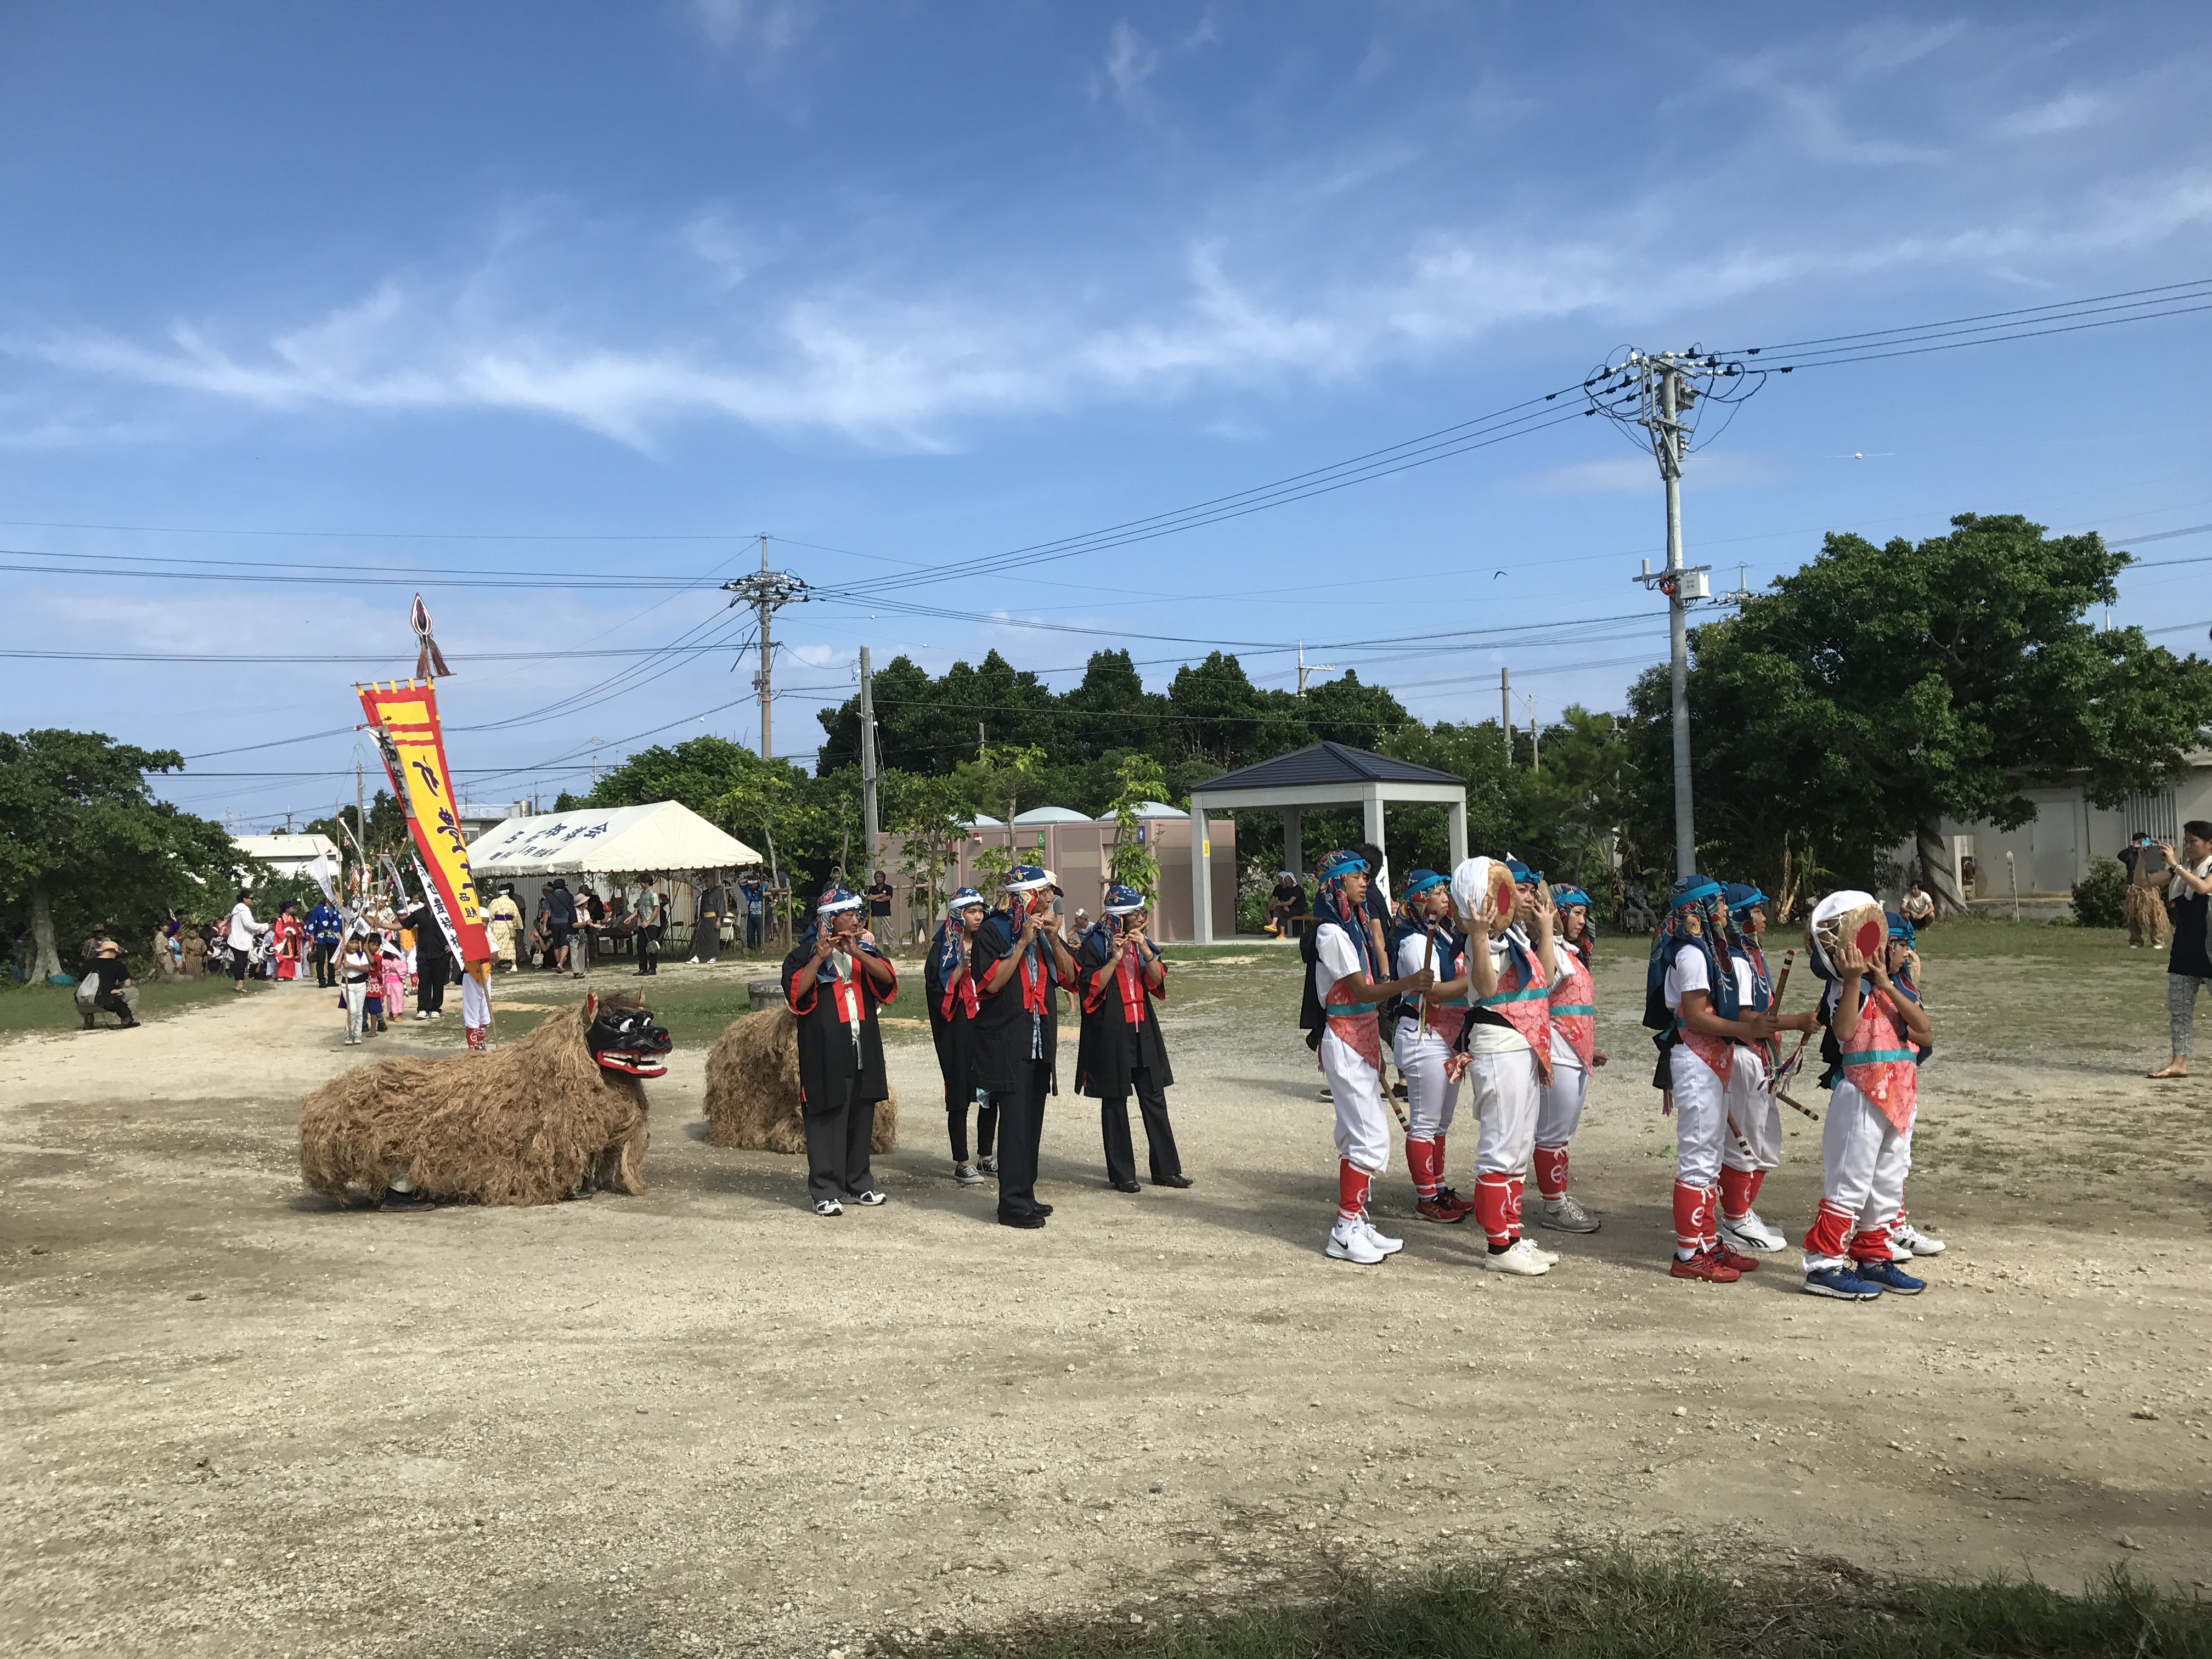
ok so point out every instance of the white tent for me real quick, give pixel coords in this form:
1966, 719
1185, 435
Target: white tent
604, 841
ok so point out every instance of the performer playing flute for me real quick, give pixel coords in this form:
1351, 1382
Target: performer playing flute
1121, 975
1574, 1054
1017, 959
1875, 1027
1345, 989
1424, 939
951, 990
834, 980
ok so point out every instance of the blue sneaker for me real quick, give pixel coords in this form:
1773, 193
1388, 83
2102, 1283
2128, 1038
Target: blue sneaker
1842, 1284
1890, 1277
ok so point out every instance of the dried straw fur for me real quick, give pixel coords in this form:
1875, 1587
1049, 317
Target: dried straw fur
752, 1088
527, 1123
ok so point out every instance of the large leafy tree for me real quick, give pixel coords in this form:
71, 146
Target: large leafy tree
82, 839
1879, 690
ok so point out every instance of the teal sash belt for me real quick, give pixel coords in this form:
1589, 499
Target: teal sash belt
1527, 993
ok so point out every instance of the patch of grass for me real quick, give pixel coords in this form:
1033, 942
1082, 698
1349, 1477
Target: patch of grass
1621, 1607
27, 1008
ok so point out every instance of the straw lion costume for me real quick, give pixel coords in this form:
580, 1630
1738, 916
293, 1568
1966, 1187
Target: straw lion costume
563, 1110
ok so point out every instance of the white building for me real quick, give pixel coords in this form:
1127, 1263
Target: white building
2052, 851
287, 855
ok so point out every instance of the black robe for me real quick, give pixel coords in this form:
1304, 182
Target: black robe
1111, 1048
953, 1032
828, 1060
1002, 1032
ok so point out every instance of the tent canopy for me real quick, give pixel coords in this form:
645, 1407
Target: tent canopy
605, 840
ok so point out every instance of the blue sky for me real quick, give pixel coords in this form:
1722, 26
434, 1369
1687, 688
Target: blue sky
921, 284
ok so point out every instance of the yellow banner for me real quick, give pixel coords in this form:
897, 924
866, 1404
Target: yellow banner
404, 718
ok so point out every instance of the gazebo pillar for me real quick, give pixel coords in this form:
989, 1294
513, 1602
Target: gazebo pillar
1373, 804
1294, 851
1201, 873
1457, 833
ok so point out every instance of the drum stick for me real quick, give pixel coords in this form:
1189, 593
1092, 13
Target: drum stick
1783, 1095
1782, 980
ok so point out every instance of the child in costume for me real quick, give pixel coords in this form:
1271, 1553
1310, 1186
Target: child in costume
1120, 976
1343, 994
1875, 1031
1692, 998
1506, 1047
1574, 1054
1422, 1046
393, 960
1754, 1117
1906, 1240
949, 990
372, 1008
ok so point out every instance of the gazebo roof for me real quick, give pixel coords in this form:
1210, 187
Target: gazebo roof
1323, 764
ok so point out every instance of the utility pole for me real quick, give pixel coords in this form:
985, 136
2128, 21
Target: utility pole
1306, 668
767, 592
1505, 711
1535, 738
595, 763
867, 759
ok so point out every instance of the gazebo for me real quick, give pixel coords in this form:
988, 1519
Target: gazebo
1321, 775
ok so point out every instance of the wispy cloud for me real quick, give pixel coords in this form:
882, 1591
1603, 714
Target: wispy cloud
1130, 62
768, 25
2068, 112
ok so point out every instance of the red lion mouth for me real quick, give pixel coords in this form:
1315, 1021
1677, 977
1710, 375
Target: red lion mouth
628, 1064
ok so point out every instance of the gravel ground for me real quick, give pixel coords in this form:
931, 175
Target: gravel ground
704, 1421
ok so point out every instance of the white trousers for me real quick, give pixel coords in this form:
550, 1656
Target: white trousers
357, 1002
1362, 1124
1756, 1116
1560, 1113
1700, 1117
1431, 1098
1502, 1089
1864, 1160
475, 1002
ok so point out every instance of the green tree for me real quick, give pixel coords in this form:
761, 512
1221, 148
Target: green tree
82, 839
1133, 861
1878, 690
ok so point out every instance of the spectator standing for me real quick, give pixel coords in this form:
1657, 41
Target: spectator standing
755, 891
879, 906
325, 929
651, 917
560, 925
2189, 967
244, 931
433, 961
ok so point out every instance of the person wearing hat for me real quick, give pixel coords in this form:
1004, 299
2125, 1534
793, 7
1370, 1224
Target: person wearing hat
1876, 1031
1017, 960
1574, 1053
1120, 976
834, 980
506, 919
1422, 1044
1753, 1145
951, 990
1343, 993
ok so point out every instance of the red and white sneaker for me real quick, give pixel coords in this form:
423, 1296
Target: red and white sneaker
1706, 1265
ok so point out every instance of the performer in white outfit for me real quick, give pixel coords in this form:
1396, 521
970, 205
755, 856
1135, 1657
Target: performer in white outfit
1426, 1037
1574, 1054
1875, 1029
1507, 1042
1347, 983
1753, 1144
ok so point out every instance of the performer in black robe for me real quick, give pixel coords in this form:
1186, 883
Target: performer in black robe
1017, 959
1120, 976
951, 990
835, 982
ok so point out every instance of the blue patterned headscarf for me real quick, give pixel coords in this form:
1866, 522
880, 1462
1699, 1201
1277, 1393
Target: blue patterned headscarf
1027, 878
951, 937
1701, 898
1122, 900
1333, 905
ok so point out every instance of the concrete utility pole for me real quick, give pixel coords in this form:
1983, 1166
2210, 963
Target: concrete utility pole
1306, 669
1505, 711
767, 592
867, 759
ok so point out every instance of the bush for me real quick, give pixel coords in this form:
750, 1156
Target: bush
2100, 897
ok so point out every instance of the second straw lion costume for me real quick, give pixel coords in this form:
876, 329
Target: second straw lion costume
834, 982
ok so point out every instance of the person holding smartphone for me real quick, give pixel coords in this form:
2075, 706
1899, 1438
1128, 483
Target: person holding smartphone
2188, 965
1120, 976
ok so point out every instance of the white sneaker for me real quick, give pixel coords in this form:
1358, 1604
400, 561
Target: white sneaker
1348, 1241
1750, 1234
1910, 1239
1549, 1258
1381, 1241
1520, 1259
419, 1014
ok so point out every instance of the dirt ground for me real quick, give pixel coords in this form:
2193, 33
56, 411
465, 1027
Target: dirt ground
704, 1421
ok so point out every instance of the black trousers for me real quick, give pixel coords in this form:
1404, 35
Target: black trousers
956, 1124
837, 1137
1021, 1129
431, 973
648, 949
1159, 1137
325, 955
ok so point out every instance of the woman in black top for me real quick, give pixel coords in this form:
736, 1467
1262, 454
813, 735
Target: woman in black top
2189, 965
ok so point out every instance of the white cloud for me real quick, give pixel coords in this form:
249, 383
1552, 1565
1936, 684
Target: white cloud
1129, 64
771, 25
1640, 474
2068, 112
